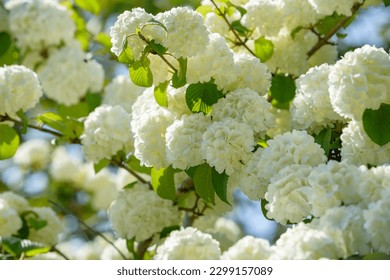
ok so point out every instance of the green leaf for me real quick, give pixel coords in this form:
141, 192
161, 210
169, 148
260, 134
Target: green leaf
341, 35
263, 203
264, 49
179, 77
242, 30
53, 120
92, 6
326, 24
9, 141
17, 247
100, 165
163, 182
386, 2
131, 248
204, 10
295, 31
24, 120
78, 110
69, 127
239, 8
160, 94
5, 42
140, 72
282, 88
200, 97
104, 40
126, 56
220, 184
203, 183
324, 139
376, 123
157, 48
135, 164
376, 256
167, 230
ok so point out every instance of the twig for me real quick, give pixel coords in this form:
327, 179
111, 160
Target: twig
128, 169
54, 249
88, 227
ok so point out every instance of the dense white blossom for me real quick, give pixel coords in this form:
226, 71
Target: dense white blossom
298, 13
68, 75
360, 80
187, 34
106, 131
64, 167
139, 212
183, 140
188, 244
122, 91
376, 180
33, 154
15, 201
227, 145
328, 7
249, 248
38, 24
288, 195
247, 106
334, 184
19, 89
49, 234
357, 148
10, 222
311, 107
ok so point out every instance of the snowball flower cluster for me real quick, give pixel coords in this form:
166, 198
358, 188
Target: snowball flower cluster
106, 131
249, 248
19, 89
139, 212
227, 145
33, 154
360, 80
39, 24
10, 222
188, 244
327, 8
68, 75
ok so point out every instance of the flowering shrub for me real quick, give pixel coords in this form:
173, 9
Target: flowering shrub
239, 95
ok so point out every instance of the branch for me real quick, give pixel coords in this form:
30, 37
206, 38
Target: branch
324, 40
128, 169
241, 42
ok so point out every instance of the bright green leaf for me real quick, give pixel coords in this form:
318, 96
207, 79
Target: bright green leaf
282, 88
220, 184
326, 24
264, 49
17, 246
9, 141
5, 42
203, 183
126, 56
104, 40
135, 164
163, 182
204, 10
376, 124
78, 110
160, 94
200, 97
242, 30
100, 165
53, 120
92, 6
179, 77
140, 72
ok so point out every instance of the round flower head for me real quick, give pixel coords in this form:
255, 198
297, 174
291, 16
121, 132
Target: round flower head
376, 180
329, 7
38, 24
19, 89
188, 244
246, 106
139, 212
249, 248
227, 145
68, 75
33, 154
106, 131
360, 80
10, 222
15, 201
63, 166
183, 140
187, 34
122, 91
50, 232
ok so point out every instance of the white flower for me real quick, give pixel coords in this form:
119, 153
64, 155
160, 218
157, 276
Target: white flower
296, 147
376, 180
249, 72
345, 225
227, 145
334, 184
248, 248
34, 154
187, 34
68, 75
160, 70
360, 80
49, 234
183, 140
126, 25
288, 195
311, 107
305, 242
188, 244
19, 89
298, 13
328, 7
64, 167
357, 148
38, 24
122, 91
10, 222
107, 130
15, 201
139, 212
245, 105
377, 223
